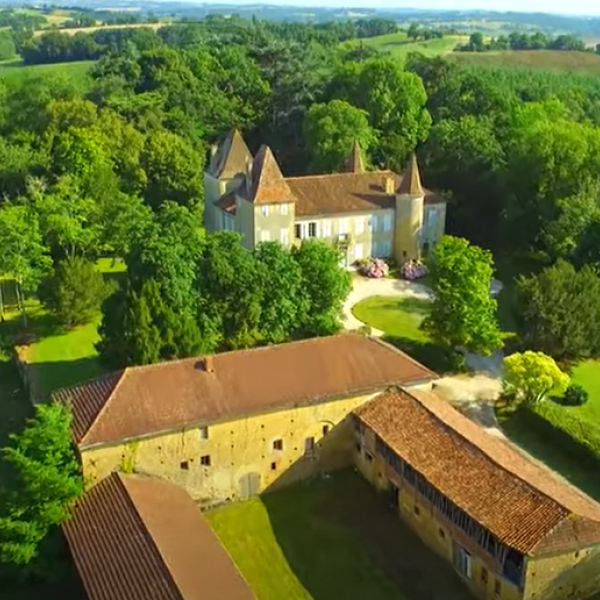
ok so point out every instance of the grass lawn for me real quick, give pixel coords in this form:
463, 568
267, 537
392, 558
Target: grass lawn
400, 319
581, 62
13, 73
399, 46
331, 538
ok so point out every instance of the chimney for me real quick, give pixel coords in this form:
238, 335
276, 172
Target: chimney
388, 184
209, 365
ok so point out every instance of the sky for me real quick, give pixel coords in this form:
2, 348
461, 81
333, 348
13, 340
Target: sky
573, 7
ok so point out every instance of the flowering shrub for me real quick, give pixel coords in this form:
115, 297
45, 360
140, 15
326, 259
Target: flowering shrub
375, 268
413, 269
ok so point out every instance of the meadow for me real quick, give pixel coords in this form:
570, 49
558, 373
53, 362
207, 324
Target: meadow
14, 73
398, 45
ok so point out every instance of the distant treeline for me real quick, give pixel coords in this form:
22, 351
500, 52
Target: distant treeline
519, 40
56, 46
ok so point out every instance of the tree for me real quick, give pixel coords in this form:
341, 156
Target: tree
463, 315
75, 291
331, 130
173, 170
48, 483
283, 305
558, 311
532, 375
24, 255
325, 285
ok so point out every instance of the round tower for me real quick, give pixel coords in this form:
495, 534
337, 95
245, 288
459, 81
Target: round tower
410, 199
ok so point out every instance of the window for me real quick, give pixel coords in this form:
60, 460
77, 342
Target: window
309, 444
497, 587
484, 575
284, 209
386, 249
387, 223
325, 429
326, 229
285, 237
277, 444
312, 230
205, 460
375, 223
417, 509
265, 211
273, 466
343, 226
265, 235
358, 251
203, 433
298, 231
359, 226
184, 466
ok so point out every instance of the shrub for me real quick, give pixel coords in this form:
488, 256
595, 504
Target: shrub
576, 395
365, 330
375, 268
412, 270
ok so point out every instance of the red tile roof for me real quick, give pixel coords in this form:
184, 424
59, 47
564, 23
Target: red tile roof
520, 501
356, 163
232, 157
168, 396
341, 193
138, 538
267, 185
411, 180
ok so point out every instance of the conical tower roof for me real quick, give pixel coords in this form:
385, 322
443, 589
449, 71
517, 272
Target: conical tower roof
232, 157
411, 180
267, 184
355, 163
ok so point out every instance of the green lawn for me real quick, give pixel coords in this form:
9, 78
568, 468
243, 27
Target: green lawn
398, 44
400, 320
329, 539
13, 73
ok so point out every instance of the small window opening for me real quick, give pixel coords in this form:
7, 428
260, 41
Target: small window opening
185, 465
325, 429
203, 433
309, 444
278, 444
273, 466
205, 460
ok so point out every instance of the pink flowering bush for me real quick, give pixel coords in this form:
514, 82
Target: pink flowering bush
375, 268
413, 269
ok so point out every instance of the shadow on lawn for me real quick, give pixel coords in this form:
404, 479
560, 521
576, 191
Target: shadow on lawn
342, 541
52, 376
427, 353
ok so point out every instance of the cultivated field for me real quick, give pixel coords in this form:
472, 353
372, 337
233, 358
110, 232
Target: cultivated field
74, 30
399, 45
577, 62
331, 538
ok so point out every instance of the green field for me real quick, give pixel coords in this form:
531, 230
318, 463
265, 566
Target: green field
576, 62
13, 73
331, 538
398, 44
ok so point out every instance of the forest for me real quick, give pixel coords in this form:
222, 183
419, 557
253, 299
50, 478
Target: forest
115, 169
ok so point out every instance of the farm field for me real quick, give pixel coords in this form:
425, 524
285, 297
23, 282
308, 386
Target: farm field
331, 538
14, 73
399, 45
576, 62
74, 30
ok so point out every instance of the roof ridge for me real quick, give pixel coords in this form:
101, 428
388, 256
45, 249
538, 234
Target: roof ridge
150, 541
513, 448
105, 404
326, 175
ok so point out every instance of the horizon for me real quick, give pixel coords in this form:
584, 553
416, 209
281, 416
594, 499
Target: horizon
577, 8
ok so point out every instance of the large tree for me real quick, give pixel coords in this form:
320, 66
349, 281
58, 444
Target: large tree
48, 483
463, 315
325, 284
331, 130
558, 311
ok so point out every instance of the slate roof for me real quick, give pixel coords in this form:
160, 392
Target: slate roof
140, 538
232, 157
522, 502
148, 400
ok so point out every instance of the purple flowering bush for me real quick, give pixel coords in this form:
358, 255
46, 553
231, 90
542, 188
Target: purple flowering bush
375, 268
413, 269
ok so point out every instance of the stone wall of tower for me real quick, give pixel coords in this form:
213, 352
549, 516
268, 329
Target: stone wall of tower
408, 227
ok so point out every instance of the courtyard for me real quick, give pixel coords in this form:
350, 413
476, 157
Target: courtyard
331, 538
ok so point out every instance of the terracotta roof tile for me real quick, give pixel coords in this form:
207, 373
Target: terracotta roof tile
518, 500
267, 186
232, 157
138, 538
171, 395
355, 162
411, 180
347, 192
